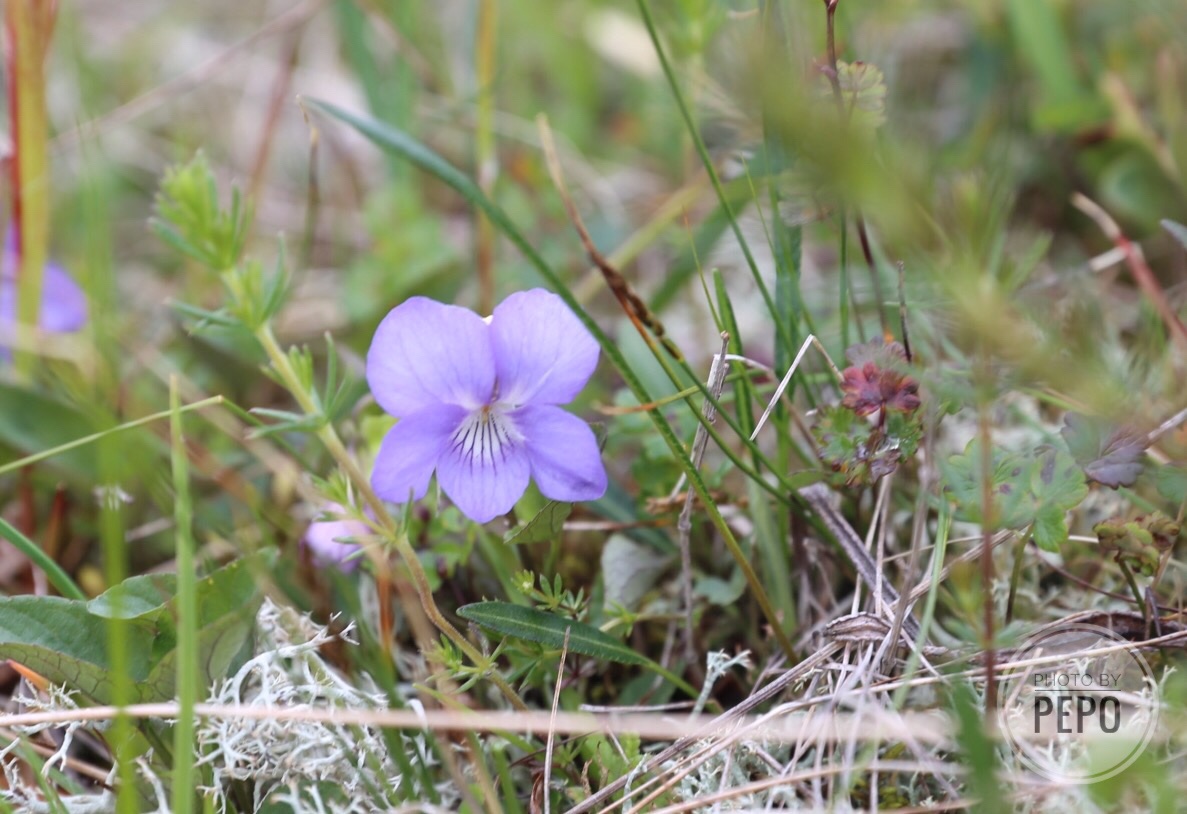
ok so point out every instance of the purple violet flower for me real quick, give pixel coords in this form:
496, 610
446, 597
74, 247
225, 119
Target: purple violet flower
327, 540
477, 402
63, 304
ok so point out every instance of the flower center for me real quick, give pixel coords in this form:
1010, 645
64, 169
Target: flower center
486, 436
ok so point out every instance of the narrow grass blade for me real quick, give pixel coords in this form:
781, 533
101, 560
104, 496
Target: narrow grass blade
59, 578
187, 612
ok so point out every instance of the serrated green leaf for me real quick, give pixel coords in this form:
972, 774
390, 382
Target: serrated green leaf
860, 451
1037, 488
549, 630
1050, 528
1056, 481
546, 525
863, 90
1009, 485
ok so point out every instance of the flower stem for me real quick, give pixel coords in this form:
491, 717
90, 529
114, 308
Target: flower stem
333, 444
1137, 593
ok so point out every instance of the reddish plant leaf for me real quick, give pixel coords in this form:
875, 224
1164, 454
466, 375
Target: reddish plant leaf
869, 388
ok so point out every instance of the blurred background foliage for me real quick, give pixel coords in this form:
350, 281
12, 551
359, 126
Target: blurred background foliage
994, 114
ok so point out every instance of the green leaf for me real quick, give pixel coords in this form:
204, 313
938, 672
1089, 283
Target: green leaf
546, 525
863, 452
1009, 483
1050, 528
135, 598
863, 89
60, 640
1037, 488
720, 592
1056, 481
549, 630
227, 602
65, 640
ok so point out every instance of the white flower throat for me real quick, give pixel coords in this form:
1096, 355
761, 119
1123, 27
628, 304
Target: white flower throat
486, 435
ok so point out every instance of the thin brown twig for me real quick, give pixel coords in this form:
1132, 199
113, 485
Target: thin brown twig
863, 237
278, 99
632, 304
1136, 261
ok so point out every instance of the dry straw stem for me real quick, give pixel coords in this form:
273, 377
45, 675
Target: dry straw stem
926, 727
556, 701
716, 382
1136, 261
795, 363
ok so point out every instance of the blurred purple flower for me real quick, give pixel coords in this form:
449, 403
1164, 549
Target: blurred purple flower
477, 402
63, 304
328, 540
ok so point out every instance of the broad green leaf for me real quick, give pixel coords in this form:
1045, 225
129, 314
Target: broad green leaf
134, 598
1035, 488
549, 630
219, 643
65, 640
546, 525
60, 640
720, 592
